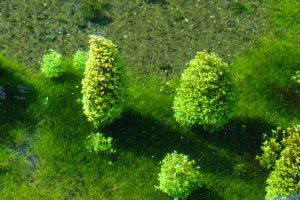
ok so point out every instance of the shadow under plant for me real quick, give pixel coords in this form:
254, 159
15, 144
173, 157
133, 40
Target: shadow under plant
239, 135
147, 137
18, 95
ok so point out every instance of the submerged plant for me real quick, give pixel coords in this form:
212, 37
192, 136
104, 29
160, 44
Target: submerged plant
239, 8
285, 14
296, 77
6, 159
95, 10
103, 83
98, 143
179, 176
204, 96
52, 64
79, 60
281, 152
272, 147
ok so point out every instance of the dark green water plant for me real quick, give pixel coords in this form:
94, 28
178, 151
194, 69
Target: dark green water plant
239, 8
95, 10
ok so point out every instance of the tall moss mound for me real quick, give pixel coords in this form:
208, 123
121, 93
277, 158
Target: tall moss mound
205, 93
102, 86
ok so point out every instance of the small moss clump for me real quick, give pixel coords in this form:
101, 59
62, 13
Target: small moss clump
52, 64
204, 96
296, 77
179, 176
95, 10
79, 60
98, 143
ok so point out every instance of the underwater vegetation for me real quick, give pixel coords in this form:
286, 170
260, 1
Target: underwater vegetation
96, 10
179, 176
52, 64
204, 95
79, 60
99, 143
281, 152
103, 83
136, 108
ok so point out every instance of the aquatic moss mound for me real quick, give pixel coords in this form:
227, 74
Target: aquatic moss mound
102, 86
52, 64
179, 176
204, 95
283, 181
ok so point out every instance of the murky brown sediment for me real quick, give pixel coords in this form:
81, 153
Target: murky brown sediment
153, 37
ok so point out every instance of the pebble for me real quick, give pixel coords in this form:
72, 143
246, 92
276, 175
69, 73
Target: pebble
19, 97
2, 93
22, 89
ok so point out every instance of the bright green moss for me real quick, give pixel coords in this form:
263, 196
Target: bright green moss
79, 60
296, 77
285, 14
179, 176
263, 77
205, 93
99, 143
52, 64
102, 86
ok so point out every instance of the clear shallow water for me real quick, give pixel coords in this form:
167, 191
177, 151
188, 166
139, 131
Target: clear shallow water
153, 36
